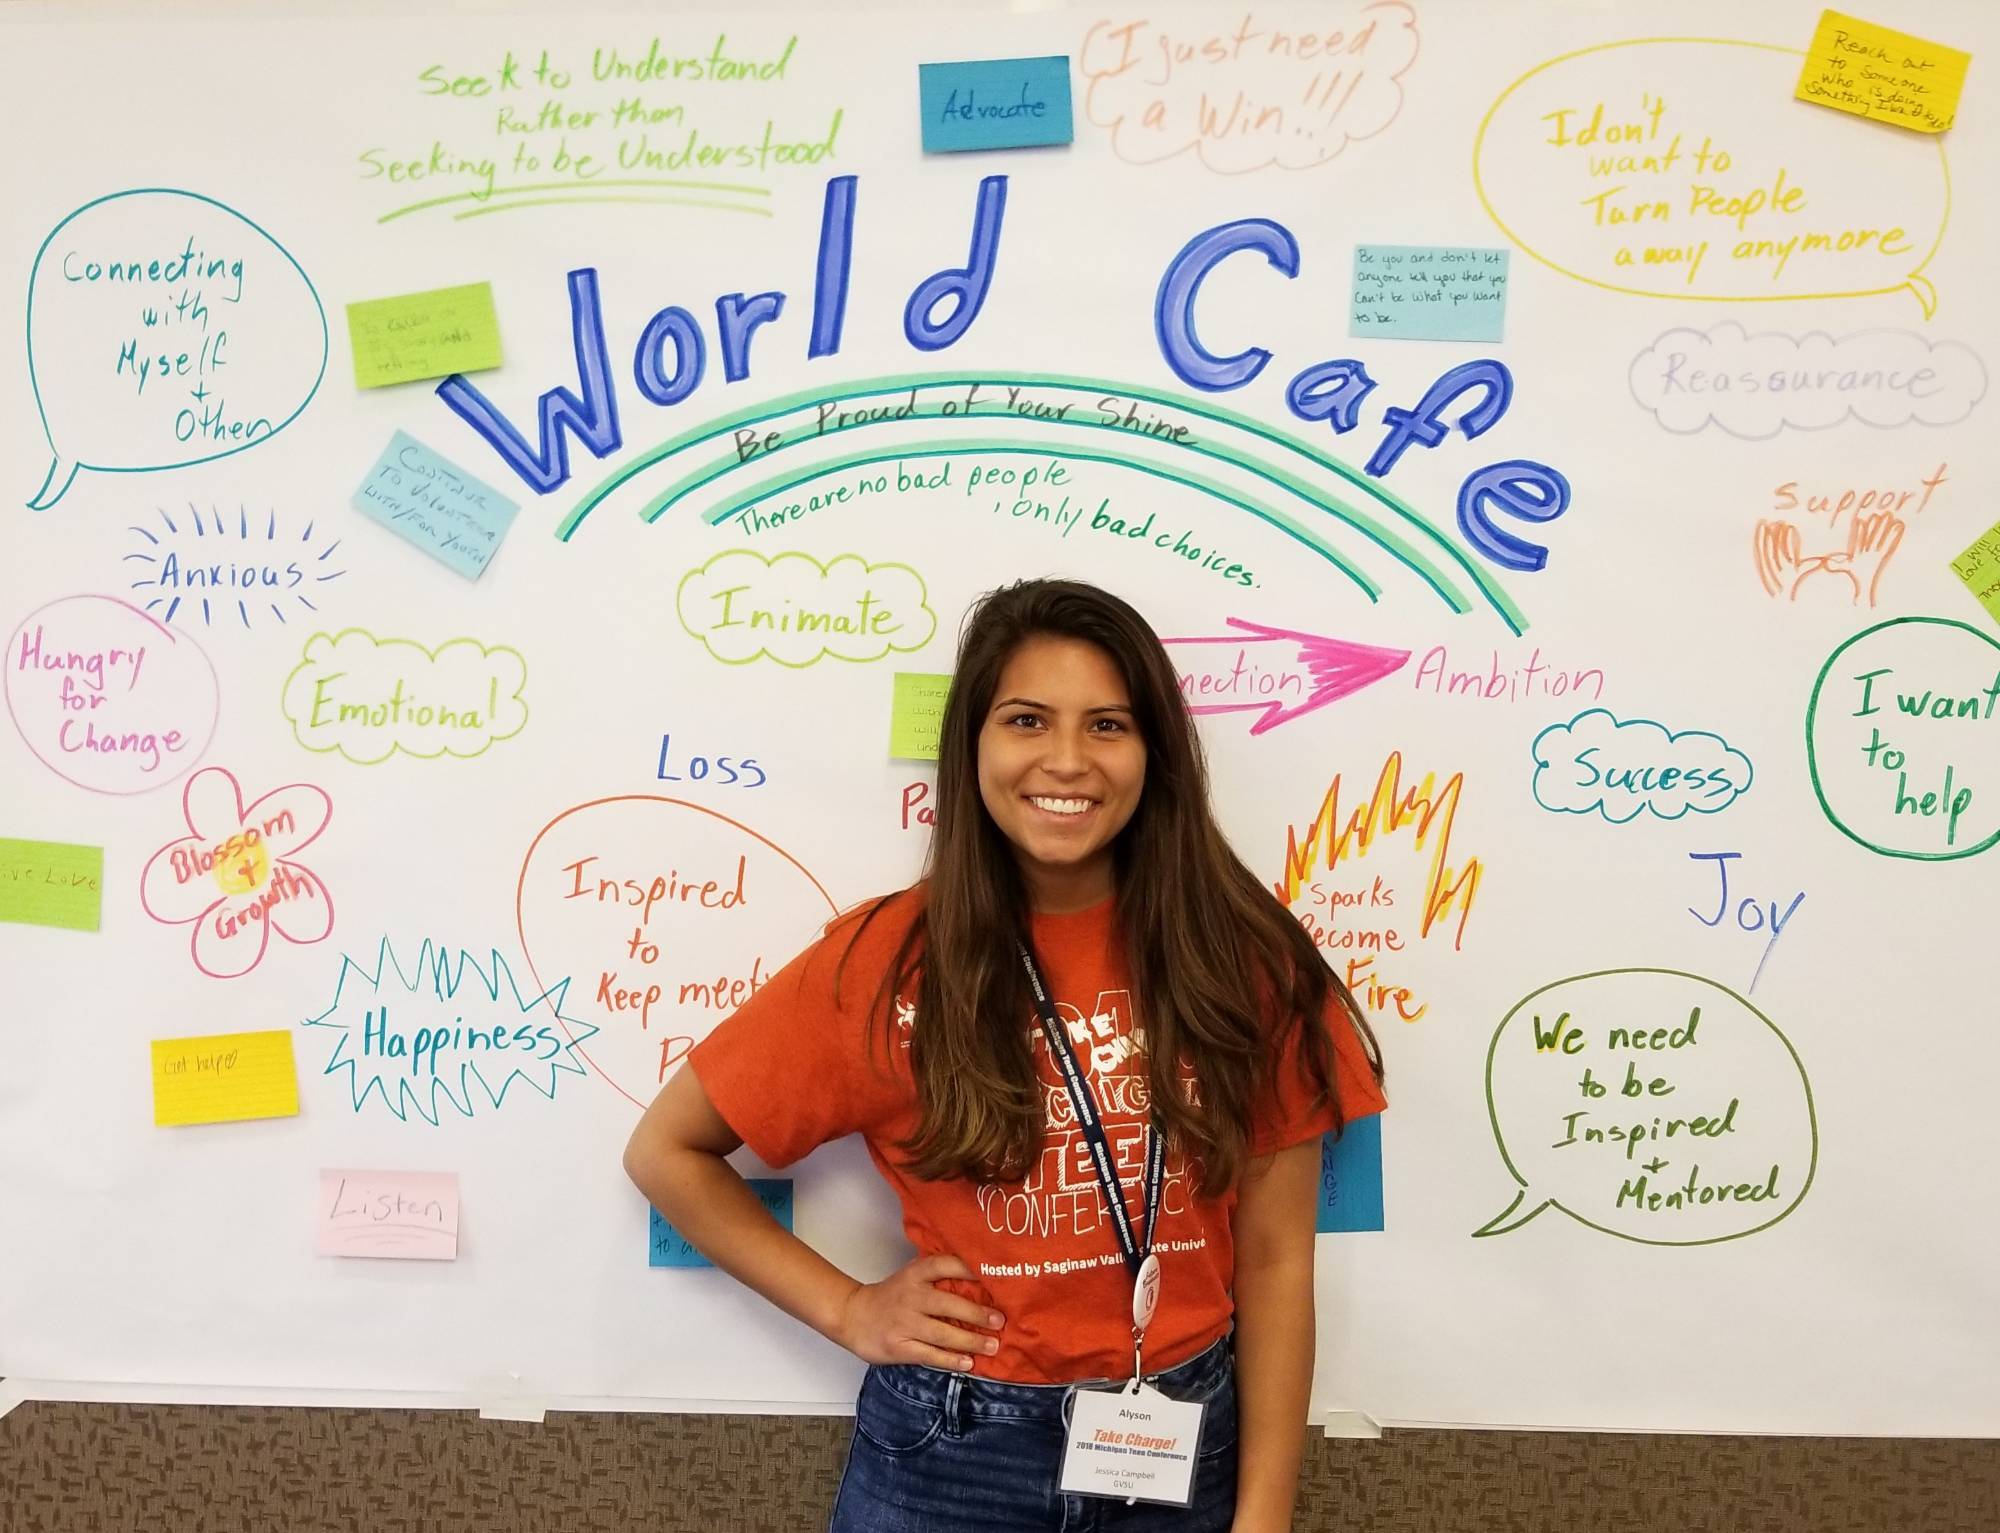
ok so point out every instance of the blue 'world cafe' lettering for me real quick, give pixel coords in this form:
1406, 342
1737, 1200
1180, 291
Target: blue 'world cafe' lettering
1333, 392
672, 355
671, 359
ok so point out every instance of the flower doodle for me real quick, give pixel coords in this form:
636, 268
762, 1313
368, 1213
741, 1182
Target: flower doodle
231, 874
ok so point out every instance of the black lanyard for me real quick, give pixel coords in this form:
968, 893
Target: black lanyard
1135, 1248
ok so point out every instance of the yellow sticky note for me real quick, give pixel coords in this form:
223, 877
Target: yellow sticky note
1882, 74
224, 1077
423, 335
916, 715
1979, 568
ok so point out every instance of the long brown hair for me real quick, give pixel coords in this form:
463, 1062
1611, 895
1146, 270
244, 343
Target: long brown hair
1213, 956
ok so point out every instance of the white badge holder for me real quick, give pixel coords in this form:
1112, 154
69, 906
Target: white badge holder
1133, 1444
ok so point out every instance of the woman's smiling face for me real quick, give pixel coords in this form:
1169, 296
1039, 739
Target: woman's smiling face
1061, 767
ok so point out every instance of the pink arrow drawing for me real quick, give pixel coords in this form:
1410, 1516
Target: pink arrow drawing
1225, 677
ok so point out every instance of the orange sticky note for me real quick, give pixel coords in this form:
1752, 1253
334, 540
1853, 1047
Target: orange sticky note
1882, 74
224, 1078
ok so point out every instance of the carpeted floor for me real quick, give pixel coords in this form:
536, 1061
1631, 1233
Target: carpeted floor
178, 1469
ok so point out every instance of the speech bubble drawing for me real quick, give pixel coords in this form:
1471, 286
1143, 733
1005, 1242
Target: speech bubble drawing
446, 1031
1755, 385
1668, 167
1903, 741
1595, 764
795, 610
1243, 94
369, 698
108, 697
165, 328
1650, 1104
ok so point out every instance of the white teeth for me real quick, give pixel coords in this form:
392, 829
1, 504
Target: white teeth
1061, 805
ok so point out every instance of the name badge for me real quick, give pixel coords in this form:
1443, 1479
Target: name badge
1133, 1444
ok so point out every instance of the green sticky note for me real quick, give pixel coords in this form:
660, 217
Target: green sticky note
423, 335
51, 883
1979, 568
917, 715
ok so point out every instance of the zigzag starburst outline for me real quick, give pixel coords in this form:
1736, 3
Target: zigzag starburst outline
437, 971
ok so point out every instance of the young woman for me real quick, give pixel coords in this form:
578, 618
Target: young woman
1088, 998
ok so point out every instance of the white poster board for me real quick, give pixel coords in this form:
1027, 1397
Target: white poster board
1687, 770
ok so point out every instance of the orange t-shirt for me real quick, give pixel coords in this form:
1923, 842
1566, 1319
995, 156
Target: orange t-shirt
792, 1070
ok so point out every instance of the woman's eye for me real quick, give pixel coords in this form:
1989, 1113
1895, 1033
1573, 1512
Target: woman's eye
1025, 719
1111, 726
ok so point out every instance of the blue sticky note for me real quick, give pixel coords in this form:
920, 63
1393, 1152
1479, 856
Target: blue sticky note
435, 504
1429, 293
1350, 1178
995, 104
665, 1246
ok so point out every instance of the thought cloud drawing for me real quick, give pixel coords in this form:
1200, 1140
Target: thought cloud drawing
1755, 385
796, 611
368, 698
1595, 764
1245, 94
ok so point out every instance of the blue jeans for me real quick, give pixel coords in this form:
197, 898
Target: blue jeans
938, 1452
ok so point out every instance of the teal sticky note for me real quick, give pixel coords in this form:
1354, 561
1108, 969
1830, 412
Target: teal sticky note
1428, 293
995, 104
435, 504
1350, 1178
667, 1247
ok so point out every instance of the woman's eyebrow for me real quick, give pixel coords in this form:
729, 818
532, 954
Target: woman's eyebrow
1029, 702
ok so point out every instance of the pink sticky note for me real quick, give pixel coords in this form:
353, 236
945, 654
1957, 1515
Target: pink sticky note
410, 1214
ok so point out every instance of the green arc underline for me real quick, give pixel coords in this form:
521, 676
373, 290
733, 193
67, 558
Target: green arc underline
1377, 533
736, 188
1257, 509
682, 202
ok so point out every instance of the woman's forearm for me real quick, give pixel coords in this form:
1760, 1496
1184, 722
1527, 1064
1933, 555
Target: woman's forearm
1274, 1369
705, 1199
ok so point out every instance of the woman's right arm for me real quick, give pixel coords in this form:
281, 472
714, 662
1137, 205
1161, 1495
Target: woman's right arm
675, 1157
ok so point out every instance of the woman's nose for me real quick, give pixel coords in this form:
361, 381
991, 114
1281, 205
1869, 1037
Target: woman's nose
1064, 754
